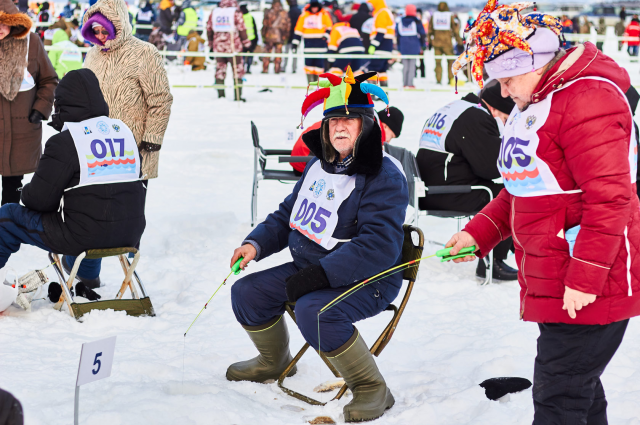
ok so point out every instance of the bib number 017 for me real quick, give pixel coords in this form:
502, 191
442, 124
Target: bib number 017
309, 211
99, 149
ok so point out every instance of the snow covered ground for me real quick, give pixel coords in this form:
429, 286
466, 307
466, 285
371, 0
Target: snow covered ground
453, 335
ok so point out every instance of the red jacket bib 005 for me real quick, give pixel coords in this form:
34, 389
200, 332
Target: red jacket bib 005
568, 163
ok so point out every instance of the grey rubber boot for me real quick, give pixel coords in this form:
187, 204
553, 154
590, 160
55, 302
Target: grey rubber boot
371, 397
220, 82
272, 341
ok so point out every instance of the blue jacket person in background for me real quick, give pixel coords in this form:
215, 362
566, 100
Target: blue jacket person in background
342, 224
412, 40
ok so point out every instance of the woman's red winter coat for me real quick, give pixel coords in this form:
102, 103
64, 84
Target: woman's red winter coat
633, 32
585, 142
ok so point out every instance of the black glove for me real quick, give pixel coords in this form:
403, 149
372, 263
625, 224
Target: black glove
54, 292
309, 279
35, 117
150, 147
84, 291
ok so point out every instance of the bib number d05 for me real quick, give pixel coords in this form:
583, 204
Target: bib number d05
309, 212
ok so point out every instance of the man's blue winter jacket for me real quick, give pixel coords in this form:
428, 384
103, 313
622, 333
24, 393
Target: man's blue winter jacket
372, 217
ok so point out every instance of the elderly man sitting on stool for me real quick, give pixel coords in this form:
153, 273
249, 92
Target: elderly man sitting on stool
342, 224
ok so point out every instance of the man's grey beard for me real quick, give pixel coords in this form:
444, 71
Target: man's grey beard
342, 134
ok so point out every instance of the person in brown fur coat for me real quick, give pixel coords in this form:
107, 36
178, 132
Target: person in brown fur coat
26, 98
132, 78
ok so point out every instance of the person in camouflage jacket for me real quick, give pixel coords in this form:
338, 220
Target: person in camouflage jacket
222, 42
275, 32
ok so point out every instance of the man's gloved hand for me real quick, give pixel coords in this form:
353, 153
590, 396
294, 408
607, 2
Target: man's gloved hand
311, 278
372, 49
150, 147
35, 117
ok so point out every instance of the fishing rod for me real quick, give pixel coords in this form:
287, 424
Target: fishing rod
235, 269
443, 254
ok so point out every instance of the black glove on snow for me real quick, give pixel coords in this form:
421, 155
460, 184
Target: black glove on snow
309, 279
35, 117
150, 147
55, 291
84, 291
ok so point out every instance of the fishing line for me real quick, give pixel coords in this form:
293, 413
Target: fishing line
366, 282
235, 269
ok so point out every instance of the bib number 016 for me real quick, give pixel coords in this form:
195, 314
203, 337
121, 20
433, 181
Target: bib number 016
436, 121
309, 211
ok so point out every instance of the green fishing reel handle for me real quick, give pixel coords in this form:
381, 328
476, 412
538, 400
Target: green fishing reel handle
236, 267
445, 254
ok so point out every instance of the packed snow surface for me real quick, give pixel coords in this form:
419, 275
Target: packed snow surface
454, 334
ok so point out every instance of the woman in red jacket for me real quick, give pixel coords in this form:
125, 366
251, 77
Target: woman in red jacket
568, 160
632, 32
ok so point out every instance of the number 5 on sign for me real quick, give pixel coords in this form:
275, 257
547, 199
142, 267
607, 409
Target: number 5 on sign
95, 363
95, 360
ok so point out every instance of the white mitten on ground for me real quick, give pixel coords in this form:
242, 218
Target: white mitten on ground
28, 285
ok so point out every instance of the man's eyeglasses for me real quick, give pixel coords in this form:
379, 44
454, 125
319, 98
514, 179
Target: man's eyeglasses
98, 32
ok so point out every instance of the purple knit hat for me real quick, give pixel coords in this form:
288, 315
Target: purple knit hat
98, 18
543, 42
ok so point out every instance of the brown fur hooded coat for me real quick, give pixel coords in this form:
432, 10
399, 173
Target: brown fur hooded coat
21, 141
133, 81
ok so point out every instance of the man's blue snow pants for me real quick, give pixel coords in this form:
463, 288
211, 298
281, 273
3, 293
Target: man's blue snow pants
19, 225
259, 297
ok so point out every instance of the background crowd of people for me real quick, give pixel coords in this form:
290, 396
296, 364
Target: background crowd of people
368, 28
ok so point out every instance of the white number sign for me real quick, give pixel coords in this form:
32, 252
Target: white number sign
96, 359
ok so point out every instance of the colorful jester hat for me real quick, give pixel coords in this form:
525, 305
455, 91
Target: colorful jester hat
338, 95
499, 29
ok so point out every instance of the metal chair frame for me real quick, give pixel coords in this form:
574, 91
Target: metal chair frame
409, 252
422, 191
140, 300
260, 172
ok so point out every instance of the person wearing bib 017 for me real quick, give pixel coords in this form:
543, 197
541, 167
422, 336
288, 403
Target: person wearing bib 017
79, 199
342, 224
568, 159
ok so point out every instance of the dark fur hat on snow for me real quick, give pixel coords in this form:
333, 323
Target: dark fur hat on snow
496, 388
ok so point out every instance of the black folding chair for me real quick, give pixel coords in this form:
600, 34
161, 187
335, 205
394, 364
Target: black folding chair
459, 215
260, 172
